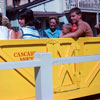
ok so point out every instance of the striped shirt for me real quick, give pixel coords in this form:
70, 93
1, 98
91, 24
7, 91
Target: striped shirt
29, 32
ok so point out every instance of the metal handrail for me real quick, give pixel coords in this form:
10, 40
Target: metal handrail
83, 5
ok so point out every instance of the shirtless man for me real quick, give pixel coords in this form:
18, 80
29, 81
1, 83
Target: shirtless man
83, 28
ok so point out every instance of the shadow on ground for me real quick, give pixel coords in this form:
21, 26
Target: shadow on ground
93, 97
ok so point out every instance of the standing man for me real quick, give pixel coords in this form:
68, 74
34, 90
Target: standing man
52, 32
83, 28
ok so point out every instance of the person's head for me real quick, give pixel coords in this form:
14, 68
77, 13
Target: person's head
75, 15
5, 22
26, 17
17, 2
0, 18
53, 22
66, 28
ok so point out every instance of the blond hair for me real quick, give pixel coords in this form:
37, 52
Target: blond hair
5, 22
68, 26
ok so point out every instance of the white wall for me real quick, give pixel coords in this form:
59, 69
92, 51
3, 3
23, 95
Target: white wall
53, 6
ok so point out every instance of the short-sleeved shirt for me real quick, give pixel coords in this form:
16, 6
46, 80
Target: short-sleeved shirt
86, 29
4, 35
29, 32
55, 34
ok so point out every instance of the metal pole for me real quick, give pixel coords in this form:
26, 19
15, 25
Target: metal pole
97, 18
4, 12
78, 3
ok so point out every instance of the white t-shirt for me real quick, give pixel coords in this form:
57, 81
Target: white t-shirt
4, 35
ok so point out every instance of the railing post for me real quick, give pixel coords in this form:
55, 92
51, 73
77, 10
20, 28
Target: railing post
97, 18
43, 77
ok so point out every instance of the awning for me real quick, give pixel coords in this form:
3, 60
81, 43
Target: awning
47, 14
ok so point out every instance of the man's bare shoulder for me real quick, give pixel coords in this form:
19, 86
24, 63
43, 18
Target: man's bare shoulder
83, 23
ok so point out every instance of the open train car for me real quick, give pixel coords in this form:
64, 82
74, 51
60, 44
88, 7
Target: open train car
70, 81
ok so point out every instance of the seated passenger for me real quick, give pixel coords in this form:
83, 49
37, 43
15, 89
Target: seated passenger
52, 32
97, 27
83, 28
28, 30
66, 28
74, 27
5, 22
4, 35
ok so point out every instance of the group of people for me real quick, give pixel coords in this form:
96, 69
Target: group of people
77, 28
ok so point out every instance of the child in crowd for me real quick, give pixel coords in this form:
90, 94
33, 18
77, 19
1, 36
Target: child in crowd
67, 28
74, 27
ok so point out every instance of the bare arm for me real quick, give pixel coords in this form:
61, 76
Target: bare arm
98, 35
97, 26
19, 35
13, 35
61, 35
75, 34
98, 30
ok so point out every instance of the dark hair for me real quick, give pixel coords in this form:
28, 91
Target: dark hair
54, 17
76, 10
17, 0
27, 15
37, 23
0, 18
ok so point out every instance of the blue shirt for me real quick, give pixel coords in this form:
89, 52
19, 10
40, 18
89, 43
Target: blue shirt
55, 34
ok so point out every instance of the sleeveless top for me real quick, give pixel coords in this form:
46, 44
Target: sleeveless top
29, 32
4, 35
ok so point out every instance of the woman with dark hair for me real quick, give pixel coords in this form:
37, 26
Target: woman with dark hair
21, 18
28, 30
4, 35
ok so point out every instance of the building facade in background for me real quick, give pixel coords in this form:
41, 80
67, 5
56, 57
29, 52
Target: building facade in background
83, 4
3, 7
17, 3
89, 8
